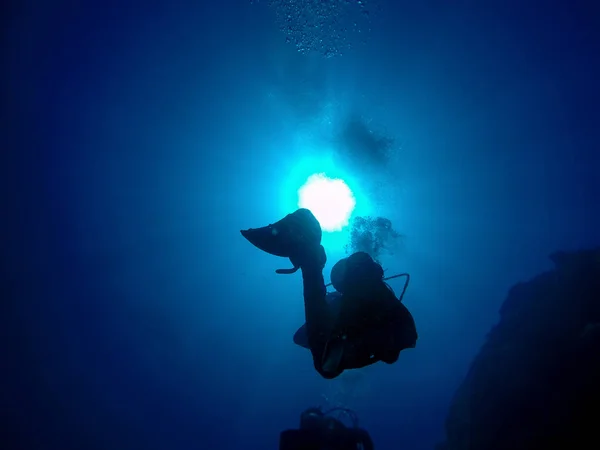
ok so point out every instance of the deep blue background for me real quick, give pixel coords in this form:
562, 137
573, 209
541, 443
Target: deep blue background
138, 138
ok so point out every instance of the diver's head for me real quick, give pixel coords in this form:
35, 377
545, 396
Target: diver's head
356, 272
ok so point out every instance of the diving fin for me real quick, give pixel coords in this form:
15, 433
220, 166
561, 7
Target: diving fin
295, 231
267, 239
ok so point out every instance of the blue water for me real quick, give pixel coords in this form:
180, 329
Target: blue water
140, 137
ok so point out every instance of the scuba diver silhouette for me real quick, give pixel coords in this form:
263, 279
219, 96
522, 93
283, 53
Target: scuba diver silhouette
358, 325
319, 430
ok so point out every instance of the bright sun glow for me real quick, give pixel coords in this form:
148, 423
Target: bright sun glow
330, 200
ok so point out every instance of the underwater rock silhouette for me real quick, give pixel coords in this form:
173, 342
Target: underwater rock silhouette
535, 383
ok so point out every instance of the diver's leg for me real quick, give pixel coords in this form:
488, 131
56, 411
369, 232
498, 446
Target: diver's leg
319, 320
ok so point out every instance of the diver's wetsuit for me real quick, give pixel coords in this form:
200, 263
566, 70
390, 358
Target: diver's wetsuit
321, 325
381, 340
